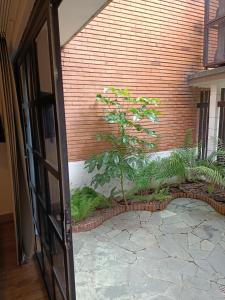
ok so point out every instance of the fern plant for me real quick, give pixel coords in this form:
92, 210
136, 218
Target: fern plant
127, 147
185, 165
85, 201
182, 165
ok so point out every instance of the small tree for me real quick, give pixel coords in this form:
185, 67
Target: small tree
127, 151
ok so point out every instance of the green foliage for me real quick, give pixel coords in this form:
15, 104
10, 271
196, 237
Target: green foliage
182, 165
85, 201
185, 165
211, 175
211, 189
160, 195
144, 176
127, 150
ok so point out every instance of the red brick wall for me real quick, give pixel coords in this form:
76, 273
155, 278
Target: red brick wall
149, 46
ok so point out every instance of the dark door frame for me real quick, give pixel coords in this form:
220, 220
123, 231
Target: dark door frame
42, 11
203, 126
221, 105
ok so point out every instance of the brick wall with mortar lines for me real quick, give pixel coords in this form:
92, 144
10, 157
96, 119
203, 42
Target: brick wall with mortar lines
149, 46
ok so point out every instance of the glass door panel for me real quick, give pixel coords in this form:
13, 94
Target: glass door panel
54, 196
50, 134
44, 130
43, 58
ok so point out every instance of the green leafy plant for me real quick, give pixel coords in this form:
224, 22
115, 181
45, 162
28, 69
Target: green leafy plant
158, 195
185, 165
144, 178
127, 148
85, 201
182, 165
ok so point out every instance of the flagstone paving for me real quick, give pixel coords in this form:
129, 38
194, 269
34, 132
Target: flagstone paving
178, 253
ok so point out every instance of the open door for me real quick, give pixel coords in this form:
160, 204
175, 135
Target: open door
38, 72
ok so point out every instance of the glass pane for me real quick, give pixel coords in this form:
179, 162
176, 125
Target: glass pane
43, 57
54, 195
26, 116
216, 9
35, 130
38, 250
35, 211
216, 43
50, 135
37, 242
40, 181
23, 83
58, 261
48, 272
58, 294
44, 228
31, 168
29, 78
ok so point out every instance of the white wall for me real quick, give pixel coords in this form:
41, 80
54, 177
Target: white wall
215, 96
80, 177
6, 205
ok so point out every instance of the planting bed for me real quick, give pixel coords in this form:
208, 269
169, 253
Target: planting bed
187, 190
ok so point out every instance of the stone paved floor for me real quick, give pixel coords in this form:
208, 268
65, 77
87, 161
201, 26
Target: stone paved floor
178, 253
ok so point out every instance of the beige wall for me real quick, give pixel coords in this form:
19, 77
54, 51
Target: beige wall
5, 184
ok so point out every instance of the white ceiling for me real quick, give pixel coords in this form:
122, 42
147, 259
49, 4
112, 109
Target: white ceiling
74, 14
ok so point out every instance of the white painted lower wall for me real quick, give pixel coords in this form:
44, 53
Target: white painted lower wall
215, 96
79, 176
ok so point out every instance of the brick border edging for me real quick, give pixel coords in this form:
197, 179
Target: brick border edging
151, 206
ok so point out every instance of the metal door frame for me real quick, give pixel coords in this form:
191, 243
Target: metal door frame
47, 11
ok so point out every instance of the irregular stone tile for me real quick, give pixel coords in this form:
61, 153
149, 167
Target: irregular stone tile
113, 292
150, 228
208, 232
193, 241
113, 233
181, 239
175, 228
221, 281
207, 246
175, 254
190, 293
168, 244
217, 259
145, 216
198, 253
154, 252
86, 292
205, 270
143, 239
161, 297
156, 219
167, 214
198, 283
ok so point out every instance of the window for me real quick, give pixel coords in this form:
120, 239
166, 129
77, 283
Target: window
214, 50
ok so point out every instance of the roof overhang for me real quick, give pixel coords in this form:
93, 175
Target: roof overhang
75, 14
205, 79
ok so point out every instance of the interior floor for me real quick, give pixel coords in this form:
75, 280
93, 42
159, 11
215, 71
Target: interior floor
17, 282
